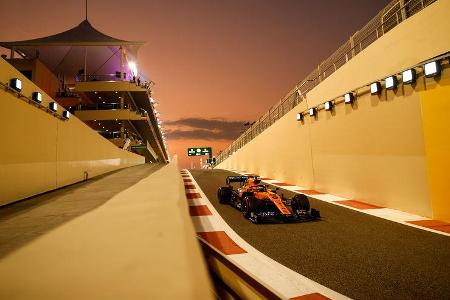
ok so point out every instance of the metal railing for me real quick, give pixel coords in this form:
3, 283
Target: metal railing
99, 77
393, 14
147, 84
67, 94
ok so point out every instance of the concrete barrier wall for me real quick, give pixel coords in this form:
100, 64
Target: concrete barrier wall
40, 152
140, 244
377, 151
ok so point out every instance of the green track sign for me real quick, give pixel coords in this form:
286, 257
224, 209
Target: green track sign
139, 147
199, 151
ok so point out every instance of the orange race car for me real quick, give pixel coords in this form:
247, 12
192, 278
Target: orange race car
258, 203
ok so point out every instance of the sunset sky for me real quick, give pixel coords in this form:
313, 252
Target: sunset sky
216, 64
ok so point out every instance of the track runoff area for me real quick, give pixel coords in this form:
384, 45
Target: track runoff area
355, 254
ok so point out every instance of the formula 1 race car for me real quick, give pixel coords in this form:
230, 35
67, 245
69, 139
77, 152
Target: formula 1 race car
258, 203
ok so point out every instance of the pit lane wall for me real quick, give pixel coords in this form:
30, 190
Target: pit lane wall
390, 150
40, 152
140, 244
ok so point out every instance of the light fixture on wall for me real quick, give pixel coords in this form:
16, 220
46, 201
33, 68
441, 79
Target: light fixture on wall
390, 82
36, 97
299, 116
329, 105
312, 111
16, 84
349, 98
432, 69
66, 114
53, 106
375, 88
409, 76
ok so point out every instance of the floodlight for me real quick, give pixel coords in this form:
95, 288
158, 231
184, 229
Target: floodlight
328, 105
36, 97
348, 98
16, 84
432, 69
391, 82
299, 117
66, 114
409, 76
375, 88
133, 67
53, 106
312, 111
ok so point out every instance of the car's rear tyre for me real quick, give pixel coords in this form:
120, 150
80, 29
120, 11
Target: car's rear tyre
224, 194
300, 203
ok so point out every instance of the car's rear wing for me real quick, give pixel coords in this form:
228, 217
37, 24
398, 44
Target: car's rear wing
231, 179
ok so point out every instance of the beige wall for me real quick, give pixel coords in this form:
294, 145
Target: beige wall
45, 79
436, 124
362, 153
124, 249
41, 75
40, 152
375, 151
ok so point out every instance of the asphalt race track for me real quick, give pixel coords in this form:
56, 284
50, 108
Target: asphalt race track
355, 254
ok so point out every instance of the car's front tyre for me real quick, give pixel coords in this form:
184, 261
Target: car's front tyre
300, 204
248, 206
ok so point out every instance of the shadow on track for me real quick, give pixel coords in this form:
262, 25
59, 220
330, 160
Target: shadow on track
24, 221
